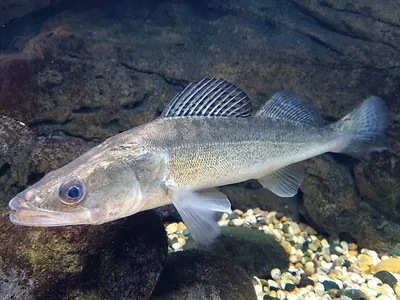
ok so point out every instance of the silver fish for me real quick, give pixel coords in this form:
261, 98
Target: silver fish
206, 137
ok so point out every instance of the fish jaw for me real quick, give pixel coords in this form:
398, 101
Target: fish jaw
24, 215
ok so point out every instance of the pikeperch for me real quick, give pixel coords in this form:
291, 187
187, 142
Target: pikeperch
206, 137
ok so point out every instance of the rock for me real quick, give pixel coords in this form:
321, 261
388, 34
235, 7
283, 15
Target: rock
355, 294
329, 285
195, 274
330, 193
117, 260
392, 265
305, 281
290, 287
13, 9
267, 297
386, 277
16, 143
258, 253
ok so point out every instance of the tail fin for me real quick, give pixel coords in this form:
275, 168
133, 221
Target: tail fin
365, 128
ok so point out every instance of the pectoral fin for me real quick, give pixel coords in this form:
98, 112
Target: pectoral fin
284, 182
200, 211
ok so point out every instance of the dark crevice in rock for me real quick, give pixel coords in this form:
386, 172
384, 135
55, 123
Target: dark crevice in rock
73, 56
324, 24
172, 81
86, 110
4, 169
34, 177
344, 159
68, 133
136, 104
36, 123
328, 5
345, 236
157, 113
113, 126
319, 42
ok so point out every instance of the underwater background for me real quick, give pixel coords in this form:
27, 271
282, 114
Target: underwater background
73, 73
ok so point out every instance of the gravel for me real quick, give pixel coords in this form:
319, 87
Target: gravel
320, 267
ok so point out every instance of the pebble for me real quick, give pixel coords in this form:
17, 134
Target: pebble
172, 228
319, 289
273, 285
275, 274
320, 267
237, 222
397, 290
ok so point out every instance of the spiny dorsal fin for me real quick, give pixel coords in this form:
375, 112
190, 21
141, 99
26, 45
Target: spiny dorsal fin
289, 107
208, 98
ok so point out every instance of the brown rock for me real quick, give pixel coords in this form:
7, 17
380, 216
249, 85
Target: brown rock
117, 260
195, 274
16, 142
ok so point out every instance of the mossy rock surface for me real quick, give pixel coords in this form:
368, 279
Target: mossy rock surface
258, 253
197, 274
117, 260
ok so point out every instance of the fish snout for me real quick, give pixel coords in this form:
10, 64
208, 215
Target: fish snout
18, 204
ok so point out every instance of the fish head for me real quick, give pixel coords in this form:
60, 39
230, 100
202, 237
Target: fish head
86, 191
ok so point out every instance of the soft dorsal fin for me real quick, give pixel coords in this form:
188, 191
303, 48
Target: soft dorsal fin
208, 98
289, 107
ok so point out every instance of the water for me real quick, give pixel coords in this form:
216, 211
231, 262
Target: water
77, 72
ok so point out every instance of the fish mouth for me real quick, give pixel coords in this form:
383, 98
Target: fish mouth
27, 216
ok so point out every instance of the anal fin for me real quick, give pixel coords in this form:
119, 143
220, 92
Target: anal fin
200, 211
284, 182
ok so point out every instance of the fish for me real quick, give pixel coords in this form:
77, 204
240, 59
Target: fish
208, 136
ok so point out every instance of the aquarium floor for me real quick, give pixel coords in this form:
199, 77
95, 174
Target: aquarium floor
320, 267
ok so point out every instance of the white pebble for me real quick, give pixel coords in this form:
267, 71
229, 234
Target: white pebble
251, 219
374, 282
326, 266
276, 274
319, 289
176, 246
258, 288
293, 259
238, 222
292, 297
172, 228
278, 234
338, 249
322, 278
356, 278
324, 243
368, 291
272, 284
300, 240
339, 283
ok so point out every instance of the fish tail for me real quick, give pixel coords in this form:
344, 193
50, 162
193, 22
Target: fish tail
364, 128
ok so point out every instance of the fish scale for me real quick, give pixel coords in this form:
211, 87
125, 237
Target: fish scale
220, 151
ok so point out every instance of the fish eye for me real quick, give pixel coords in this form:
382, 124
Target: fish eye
72, 192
